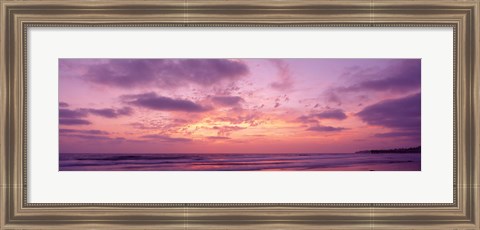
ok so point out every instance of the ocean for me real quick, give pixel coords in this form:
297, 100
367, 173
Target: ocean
240, 162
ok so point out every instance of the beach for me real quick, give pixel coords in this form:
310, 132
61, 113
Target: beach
241, 162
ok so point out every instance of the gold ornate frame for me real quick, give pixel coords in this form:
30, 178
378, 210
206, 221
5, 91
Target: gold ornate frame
17, 16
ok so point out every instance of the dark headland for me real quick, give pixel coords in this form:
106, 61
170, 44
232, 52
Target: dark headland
417, 149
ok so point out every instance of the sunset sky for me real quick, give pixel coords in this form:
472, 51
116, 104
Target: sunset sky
238, 105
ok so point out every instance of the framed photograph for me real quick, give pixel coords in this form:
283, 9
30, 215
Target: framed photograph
239, 115
232, 115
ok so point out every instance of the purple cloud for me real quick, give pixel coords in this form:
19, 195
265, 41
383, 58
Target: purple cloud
83, 112
94, 137
63, 104
73, 121
152, 101
307, 119
218, 138
323, 128
401, 113
111, 113
335, 114
162, 72
332, 114
165, 138
332, 97
91, 131
227, 100
285, 80
69, 113
403, 76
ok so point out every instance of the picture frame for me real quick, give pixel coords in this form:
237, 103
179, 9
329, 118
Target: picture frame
18, 16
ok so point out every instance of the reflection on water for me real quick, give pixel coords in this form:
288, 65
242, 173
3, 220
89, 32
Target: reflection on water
240, 162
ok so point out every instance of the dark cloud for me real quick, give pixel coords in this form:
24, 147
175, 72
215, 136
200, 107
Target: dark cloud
403, 76
74, 121
139, 125
69, 113
152, 101
94, 137
332, 97
111, 113
227, 100
163, 72
332, 114
336, 114
164, 138
63, 104
401, 113
323, 128
285, 79
91, 131
121, 73
399, 77
75, 116
307, 119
